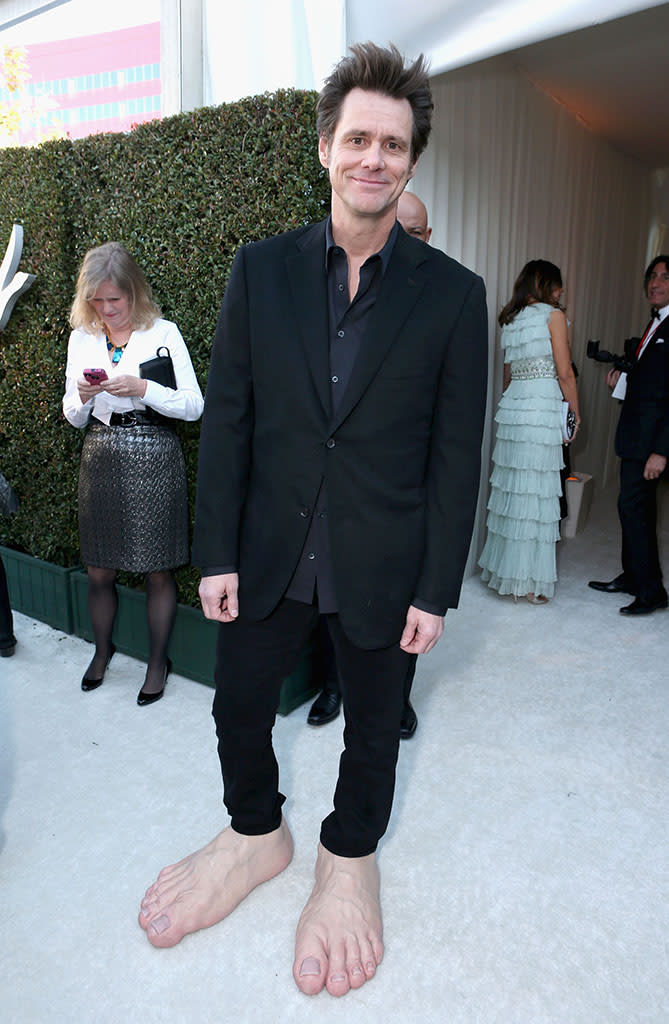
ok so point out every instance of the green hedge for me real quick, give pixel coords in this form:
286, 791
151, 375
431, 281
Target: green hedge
182, 194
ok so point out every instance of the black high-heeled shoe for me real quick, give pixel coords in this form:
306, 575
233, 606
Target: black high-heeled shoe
92, 684
151, 698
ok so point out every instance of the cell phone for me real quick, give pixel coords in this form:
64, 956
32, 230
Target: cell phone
95, 375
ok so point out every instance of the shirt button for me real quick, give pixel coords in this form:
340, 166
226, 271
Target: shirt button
330, 443
340, 334
311, 554
335, 379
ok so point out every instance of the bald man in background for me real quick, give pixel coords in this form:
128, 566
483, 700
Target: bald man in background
412, 215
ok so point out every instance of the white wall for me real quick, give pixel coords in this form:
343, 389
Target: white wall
510, 176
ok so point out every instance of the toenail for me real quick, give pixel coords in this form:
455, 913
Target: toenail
336, 978
161, 924
310, 966
371, 966
355, 971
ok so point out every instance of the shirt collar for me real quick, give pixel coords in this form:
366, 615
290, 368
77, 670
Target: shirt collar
385, 253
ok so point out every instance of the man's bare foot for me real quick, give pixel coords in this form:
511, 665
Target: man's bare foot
338, 943
207, 886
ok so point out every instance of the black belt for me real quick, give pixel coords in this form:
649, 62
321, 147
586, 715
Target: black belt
138, 418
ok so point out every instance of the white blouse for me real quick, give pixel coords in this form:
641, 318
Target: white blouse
90, 350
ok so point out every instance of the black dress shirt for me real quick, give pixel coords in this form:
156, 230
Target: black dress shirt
347, 320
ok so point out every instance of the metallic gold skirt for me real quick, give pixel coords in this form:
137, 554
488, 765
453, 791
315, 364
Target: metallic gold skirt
133, 502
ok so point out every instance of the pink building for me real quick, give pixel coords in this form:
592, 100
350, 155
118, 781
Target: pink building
100, 83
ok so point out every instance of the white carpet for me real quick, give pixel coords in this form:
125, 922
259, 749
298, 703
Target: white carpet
524, 874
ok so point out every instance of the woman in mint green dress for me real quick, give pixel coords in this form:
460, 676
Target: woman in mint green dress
524, 507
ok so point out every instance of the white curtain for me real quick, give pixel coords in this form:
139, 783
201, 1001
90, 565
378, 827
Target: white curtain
510, 176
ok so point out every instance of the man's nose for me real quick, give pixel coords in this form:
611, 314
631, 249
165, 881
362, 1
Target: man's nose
374, 155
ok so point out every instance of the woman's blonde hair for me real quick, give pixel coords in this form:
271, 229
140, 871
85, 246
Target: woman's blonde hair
111, 262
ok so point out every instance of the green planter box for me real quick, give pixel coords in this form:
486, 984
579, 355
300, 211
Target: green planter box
39, 589
192, 645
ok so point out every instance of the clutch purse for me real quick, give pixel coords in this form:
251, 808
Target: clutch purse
9, 503
568, 423
160, 369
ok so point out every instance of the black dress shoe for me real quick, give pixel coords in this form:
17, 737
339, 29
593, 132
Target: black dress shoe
325, 708
639, 607
409, 722
7, 652
617, 586
92, 684
151, 698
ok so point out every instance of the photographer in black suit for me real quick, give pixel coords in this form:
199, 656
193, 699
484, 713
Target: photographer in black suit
642, 442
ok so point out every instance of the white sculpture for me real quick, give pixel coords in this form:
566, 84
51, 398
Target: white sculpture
12, 284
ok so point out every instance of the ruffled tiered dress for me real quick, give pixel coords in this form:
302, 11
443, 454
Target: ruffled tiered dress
524, 506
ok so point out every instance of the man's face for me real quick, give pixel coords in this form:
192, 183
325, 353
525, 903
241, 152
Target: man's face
369, 155
412, 215
658, 286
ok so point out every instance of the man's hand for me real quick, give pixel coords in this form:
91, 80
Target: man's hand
655, 465
421, 632
612, 378
218, 595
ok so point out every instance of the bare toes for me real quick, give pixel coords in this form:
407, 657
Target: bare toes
356, 975
309, 973
337, 983
159, 934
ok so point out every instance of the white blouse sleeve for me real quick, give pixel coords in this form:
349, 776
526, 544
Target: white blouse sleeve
76, 412
186, 403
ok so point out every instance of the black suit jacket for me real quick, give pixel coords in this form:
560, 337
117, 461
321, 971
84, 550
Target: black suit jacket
643, 427
401, 457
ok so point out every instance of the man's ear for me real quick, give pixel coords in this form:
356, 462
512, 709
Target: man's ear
323, 151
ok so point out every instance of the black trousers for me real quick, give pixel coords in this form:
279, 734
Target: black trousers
325, 668
253, 658
7, 638
637, 509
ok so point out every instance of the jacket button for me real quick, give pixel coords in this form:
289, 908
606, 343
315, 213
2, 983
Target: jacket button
330, 443
305, 513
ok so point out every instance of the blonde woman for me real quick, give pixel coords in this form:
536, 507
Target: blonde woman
133, 505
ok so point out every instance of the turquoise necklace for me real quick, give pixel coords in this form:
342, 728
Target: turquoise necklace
116, 350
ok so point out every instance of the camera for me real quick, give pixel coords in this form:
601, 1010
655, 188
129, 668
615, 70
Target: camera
624, 362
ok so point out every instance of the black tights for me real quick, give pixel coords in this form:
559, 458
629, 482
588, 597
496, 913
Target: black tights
161, 607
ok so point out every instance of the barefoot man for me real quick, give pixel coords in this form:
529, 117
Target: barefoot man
338, 474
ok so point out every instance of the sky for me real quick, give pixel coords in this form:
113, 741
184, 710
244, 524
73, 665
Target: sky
81, 18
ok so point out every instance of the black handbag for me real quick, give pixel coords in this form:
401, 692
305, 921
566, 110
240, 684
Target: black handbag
160, 369
9, 503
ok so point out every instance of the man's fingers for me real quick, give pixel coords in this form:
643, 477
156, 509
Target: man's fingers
218, 595
408, 635
232, 605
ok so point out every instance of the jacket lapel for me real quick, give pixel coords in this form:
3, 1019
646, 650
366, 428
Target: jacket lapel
400, 290
308, 286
